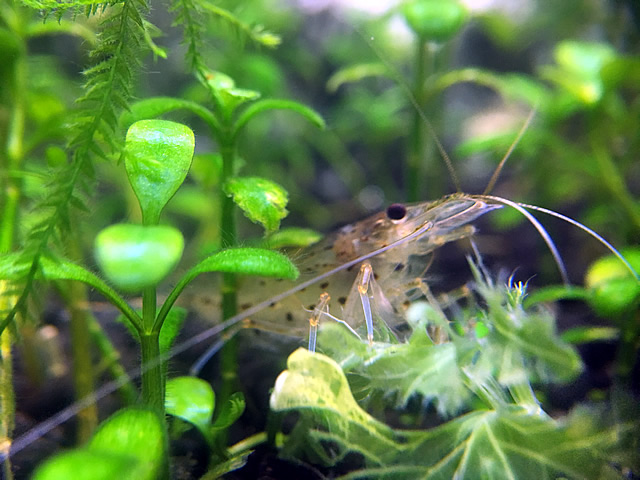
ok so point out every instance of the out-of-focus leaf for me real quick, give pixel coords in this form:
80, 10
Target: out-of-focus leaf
131, 444
134, 257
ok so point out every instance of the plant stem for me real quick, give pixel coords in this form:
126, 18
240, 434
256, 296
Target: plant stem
229, 353
416, 137
77, 300
152, 369
13, 157
7, 397
83, 377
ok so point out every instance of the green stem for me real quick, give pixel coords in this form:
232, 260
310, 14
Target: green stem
83, 371
229, 353
152, 368
416, 135
7, 399
13, 157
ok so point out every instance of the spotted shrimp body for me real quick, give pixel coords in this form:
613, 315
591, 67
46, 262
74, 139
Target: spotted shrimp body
369, 262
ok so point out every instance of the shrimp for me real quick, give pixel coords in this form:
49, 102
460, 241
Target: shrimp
393, 249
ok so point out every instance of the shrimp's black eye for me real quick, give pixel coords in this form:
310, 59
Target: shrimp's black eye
396, 211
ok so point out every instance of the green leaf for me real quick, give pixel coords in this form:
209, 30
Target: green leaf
226, 94
171, 327
275, 104
244, 261
509, 442
435, 20
134, 257
131, 444
261, 200
578, 335
578, 71
291, 237
316, 382
521, 343
406, 369
61, 269
613, 288
355, 73
231, 411
248, 261
156, 106
88, 465
191, 399
158, 155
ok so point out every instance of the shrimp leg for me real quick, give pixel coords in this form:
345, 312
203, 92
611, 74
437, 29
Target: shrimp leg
321, 308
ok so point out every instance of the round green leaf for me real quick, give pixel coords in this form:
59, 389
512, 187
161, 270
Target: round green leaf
83, 464
134, 257
435, 20
614, 289
137, 433
192, 399
261, 200
158, 155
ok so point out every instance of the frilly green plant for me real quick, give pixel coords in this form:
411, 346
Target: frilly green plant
481, 381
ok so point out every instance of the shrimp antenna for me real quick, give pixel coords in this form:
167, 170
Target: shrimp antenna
541, 230
586, 229
498, 170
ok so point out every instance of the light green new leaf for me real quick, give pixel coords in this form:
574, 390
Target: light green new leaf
261, 200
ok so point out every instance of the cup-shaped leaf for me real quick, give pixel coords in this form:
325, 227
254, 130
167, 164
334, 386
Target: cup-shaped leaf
435, 20
261, 200
158, 155
135, 257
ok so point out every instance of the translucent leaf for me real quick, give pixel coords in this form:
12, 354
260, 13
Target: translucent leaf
505, 443
406, 369
191, 399
158, 155
261, 200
